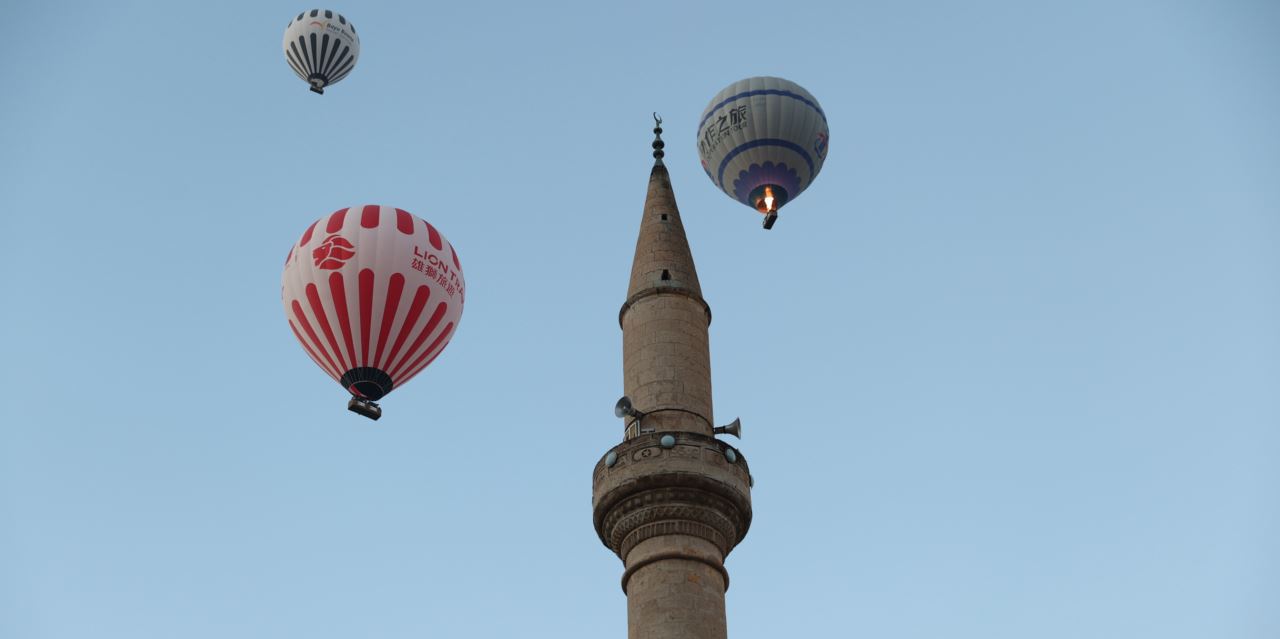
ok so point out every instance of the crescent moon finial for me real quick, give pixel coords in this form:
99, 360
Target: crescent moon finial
657, 139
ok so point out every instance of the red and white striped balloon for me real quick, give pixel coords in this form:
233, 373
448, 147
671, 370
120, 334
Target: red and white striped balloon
373, 294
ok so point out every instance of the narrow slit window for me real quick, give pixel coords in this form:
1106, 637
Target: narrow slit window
666, 275
664, 217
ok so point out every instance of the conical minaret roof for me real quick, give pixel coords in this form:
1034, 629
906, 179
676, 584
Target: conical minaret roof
663, 259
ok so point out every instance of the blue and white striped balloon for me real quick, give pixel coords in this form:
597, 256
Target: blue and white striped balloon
762, 141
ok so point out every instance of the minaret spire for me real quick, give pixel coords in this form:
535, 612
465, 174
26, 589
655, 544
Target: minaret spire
657, 140
671, 500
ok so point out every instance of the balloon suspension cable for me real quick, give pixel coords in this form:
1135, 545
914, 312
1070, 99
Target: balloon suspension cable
657, 140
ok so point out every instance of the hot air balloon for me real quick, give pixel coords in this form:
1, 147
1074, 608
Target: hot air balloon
762, 141
321, 46
373, 294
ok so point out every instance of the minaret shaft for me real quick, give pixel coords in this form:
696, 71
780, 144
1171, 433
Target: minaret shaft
676, 597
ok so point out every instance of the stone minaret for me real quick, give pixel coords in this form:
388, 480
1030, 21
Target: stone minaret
671, 500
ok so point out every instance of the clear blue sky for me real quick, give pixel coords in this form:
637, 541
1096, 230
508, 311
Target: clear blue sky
1010, 368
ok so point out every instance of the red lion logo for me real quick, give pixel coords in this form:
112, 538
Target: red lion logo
333, 252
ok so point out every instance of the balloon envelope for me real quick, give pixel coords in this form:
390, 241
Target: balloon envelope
762, 141
321, 46
373, 294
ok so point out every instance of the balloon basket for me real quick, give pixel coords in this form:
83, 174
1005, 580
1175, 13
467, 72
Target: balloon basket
769, 219
365, 407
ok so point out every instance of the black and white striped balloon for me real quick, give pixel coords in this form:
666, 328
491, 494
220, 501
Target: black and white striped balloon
322, 47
